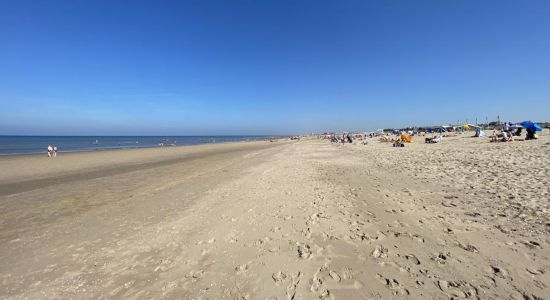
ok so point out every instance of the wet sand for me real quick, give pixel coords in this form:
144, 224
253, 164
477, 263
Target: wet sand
292, 220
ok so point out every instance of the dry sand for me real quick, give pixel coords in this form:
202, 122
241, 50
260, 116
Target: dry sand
301, 220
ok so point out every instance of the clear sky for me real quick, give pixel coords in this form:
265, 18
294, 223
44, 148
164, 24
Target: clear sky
268, 67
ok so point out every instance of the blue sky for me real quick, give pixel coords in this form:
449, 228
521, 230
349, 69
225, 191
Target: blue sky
268, 67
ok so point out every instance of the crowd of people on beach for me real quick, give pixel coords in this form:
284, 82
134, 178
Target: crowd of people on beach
52, 151
344, 138
399, 138
509, 131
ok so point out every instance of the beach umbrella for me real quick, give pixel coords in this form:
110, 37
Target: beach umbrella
531, 125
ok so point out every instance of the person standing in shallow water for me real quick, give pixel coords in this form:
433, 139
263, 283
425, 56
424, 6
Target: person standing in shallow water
54, 151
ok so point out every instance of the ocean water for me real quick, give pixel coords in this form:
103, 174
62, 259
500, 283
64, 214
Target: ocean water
13, 145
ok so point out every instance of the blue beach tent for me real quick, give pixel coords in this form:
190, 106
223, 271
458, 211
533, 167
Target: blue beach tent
531, 125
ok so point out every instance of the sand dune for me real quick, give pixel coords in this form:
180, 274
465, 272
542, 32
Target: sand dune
303, 220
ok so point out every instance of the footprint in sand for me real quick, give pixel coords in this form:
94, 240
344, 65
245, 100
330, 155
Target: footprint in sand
498, 271
440, 258
520, 294
380, 252
318, 288
278, 277
291, 288
347, 274
304, 251
168, 287
418, 238
195, 274
457, 289
335, 276
391, 211
468, 247
394, 285
260, 243
535, 271
531, 244
242, 268
275, 229
412, 258
164, 265
358, 234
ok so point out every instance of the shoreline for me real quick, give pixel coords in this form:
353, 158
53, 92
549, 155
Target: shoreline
25, 169
44, 152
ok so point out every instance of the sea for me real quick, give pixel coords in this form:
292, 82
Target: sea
18, 145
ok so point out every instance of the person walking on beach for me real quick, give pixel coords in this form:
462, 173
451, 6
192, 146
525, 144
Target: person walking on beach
54, 151
50, 150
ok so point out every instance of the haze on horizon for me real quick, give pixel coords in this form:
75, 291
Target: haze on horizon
268, 67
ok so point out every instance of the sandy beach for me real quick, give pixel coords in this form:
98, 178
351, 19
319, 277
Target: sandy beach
283, 220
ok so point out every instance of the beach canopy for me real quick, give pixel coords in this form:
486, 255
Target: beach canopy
406, 138
468, 126
479, 132
531, 125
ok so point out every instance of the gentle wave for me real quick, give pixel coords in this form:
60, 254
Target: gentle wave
21, 145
